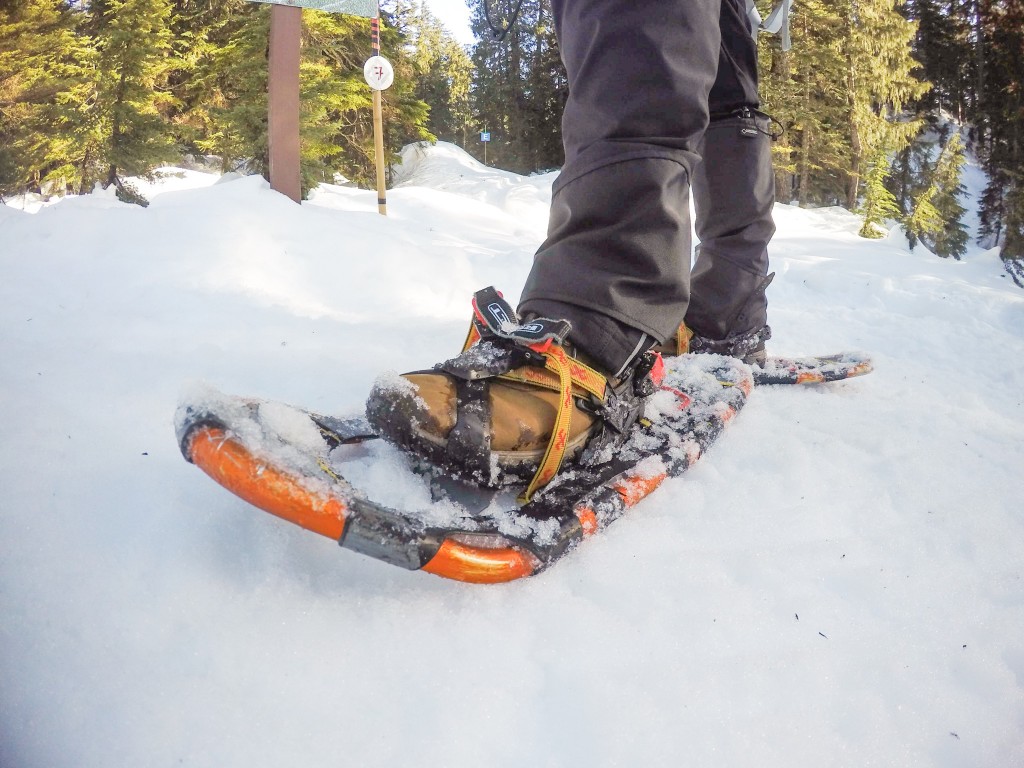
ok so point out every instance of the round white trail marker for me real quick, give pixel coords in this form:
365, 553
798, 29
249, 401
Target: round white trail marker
379, 73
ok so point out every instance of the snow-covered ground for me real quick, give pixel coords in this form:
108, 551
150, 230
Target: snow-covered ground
839, 582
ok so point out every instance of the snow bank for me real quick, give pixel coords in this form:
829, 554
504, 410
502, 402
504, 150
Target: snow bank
444, 167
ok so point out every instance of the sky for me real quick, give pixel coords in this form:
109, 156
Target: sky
454, 14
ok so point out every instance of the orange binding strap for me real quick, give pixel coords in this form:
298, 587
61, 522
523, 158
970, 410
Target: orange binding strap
560, 432
229, 463
683, 336
472, 337
561, 374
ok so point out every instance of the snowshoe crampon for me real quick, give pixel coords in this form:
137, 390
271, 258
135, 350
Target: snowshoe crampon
318, 472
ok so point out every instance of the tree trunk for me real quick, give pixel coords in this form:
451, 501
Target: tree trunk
856, 148
979, 55
116, 132
905, 181
806, 145
783, 148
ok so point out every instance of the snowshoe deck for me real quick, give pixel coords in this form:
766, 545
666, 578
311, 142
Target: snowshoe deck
304, 468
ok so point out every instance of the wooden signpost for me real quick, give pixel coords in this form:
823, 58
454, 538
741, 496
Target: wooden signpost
283, 89
283, 101
379, 75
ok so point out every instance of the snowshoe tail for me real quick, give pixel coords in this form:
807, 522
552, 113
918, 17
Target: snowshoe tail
812, 370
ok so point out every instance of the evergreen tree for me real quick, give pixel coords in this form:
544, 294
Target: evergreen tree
128, 134
878, 84
44, 89
226, 91
1013, 239
799, 89
942, 46
548, 88
949, 238
927, 183
520, 86
879, 203
992, 208
923, 218
1000, 116
203, 32
443, 75
337, 123
840, 92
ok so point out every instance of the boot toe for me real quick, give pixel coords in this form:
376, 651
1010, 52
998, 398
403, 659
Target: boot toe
418, 412
405, 409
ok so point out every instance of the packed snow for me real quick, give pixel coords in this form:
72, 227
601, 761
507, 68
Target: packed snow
837, 583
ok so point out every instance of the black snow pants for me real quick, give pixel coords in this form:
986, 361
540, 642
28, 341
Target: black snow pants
657, 91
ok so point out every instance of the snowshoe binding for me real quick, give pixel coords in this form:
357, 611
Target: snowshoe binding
515, 406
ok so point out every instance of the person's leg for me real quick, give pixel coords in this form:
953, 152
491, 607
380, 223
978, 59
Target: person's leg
734, 191
615, 263
733, 194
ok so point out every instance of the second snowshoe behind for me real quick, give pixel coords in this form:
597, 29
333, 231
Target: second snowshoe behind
770, 369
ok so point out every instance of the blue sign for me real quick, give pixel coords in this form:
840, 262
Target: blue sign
485, 135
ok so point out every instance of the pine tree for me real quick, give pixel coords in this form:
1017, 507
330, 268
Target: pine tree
1013, 239
943, 48
520, 86
202, 35
1000, 116
443, 74
227, 91
878, 84
221, 84
337, 118
879, 203
128, 134
498, 84
950, 238
912, 182
992, 208
840, 93
799, 89
44, 89
923, 217
547, 87
336, 104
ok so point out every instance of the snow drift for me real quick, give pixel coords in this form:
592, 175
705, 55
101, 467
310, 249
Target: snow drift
839, 582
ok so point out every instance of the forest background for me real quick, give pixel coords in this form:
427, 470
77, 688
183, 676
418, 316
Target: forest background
875, 105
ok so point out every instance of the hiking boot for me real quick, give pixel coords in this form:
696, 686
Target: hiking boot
515, 406
748, 347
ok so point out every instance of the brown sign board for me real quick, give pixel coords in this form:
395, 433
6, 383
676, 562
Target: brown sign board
367, 8
283, 88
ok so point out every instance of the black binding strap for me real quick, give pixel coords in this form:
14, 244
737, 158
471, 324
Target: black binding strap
469, 442
497, 318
